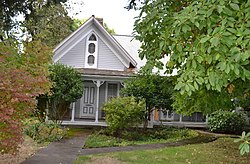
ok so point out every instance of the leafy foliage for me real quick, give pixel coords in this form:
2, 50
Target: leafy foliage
23, 76
207, 41
134, 136
203, 101
67, 88
226, 122
155, 90
10, 9
43, 132
51, 24
244, 146
122, 113
23, 69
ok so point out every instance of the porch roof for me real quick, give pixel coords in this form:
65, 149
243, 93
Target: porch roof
98, 72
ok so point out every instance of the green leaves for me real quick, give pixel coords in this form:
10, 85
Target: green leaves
219, 8
244, 146
186, 28
234, 6
207, 41
124, 112
215, 41
226, 122
203, 40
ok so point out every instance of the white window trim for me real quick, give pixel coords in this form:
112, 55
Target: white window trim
95, 54
106, 89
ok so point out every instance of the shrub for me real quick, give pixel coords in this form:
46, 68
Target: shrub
67, 88
154, 89
226, 122
43, 132
123, 112
138, 136
99, 140
22, 77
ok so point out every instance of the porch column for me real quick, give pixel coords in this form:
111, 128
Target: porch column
73, 112
206, 118
98, 83
47, 113
180, 117
153, 115
122, 84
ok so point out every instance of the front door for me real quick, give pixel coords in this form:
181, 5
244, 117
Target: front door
88, 104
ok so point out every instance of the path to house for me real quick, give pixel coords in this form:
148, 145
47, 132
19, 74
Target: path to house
66, 151
63, 152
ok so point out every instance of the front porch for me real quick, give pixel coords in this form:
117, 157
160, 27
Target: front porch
197, 120
97, 91
100, 86
101, 123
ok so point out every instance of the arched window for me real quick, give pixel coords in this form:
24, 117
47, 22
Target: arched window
91, 59
91, 51
92, 38
91, 48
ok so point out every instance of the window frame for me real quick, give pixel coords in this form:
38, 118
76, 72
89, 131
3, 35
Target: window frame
89, 42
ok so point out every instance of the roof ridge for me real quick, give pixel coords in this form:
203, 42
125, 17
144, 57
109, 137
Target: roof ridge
122, 35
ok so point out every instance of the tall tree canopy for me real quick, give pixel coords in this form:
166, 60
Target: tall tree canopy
12, 8
207, 41
50, 24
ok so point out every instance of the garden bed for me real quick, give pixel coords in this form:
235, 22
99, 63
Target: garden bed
103, 138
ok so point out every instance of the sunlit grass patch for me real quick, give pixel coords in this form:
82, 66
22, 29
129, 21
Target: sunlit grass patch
223, 150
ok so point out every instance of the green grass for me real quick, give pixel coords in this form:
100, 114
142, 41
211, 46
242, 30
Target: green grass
223, 150
139, 137
73, 132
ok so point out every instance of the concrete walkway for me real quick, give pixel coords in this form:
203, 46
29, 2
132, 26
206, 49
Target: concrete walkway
62, 152
67, 150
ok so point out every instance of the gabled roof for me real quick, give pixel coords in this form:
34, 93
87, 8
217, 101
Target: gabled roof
111, 39
132, 46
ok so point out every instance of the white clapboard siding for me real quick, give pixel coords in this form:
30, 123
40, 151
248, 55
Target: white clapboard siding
107, 59
68, 45
75, 57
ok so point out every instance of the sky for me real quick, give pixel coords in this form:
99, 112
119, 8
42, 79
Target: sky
112, 12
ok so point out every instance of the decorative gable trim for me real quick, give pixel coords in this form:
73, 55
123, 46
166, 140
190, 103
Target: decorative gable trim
114, 41
111, 39
73, 34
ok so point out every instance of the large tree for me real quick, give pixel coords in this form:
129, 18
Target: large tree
207, 41
23, 72
12, 8
50, 24
154, 89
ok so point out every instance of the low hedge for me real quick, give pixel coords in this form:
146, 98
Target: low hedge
226, 122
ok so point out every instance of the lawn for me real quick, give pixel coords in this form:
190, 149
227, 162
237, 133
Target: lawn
223, 150
138, 137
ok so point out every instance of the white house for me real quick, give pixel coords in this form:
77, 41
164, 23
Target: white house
105, 61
